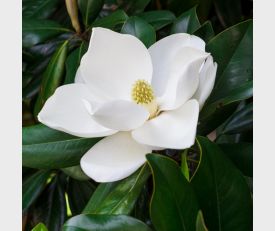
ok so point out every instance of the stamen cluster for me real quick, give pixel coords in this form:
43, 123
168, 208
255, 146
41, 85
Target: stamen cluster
142, 92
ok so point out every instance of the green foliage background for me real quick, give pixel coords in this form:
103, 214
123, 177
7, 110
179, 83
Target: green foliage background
206, 187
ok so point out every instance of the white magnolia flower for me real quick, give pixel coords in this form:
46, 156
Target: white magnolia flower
141, 99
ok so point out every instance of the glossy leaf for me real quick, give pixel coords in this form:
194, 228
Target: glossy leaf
205, 32
79, 193
76, 173
158, 18
32, 187
174, 205
50, 208
200, 225
93, 222
222, 191
141, 29
44, 147
112, 21
134, 6
40, 227
121, 199
73, 62
240, 121
89, 10
39, 9
187, 22
235, 62
52, 76
241, 154
36, 31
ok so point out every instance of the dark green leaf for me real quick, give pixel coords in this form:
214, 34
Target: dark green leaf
40, 227
158, 18
73, 61
79, 193
187, 22
52, 76
222, 191
141, 29
32, 187
39, 9
112, 21
179, 6
205, 32
75, 172
200, 225
50, 208
134, 6
95, 222
241, 155
121, 199
47, 148
36, 31
174, 206
89, 10
233, 51
229, 12
240, 121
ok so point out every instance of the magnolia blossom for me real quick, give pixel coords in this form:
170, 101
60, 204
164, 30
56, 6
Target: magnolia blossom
140, 99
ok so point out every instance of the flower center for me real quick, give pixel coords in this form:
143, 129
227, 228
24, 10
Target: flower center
142, 93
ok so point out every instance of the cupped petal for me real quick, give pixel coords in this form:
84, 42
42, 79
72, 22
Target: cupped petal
183, 78
114, 158
65, 111
119, 115
163, 55
171, 129
207, 78
114, 62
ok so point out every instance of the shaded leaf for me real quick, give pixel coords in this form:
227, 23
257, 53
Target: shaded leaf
76, 173
40, 227
122, 196
174, 205
187, 22
158, 18
134, 6
205, 32
222, 191
32, 187
89, 10
241, 154
112, 21
39, 9
73, 62
184, 165
200, 225
36, 31
92, 222
79, 193
52, 76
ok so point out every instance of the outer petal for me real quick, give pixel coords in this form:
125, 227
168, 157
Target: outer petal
171, 129
114, 62
78, 77
114, 158
183, 78
163, 55
207, 78
119, 115
65, 111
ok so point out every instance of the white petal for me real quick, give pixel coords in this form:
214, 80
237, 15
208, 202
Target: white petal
207, 78
163, 55
114, 62
182, 78
171, 129
65, 111
114, 158
119, 115
78, 77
